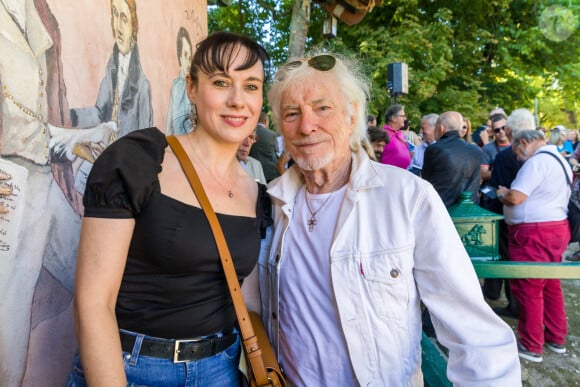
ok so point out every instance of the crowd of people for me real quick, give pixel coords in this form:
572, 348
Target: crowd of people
341, 251
508, 173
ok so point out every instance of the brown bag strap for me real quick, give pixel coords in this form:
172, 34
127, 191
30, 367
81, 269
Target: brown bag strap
249, 339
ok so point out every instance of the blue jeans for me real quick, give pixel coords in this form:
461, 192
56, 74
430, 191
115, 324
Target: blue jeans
218, 370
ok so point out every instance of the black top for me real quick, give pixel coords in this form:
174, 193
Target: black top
173, 285
504, 172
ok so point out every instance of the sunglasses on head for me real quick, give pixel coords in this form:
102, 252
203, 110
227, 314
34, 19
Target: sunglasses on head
323, 62
497, 130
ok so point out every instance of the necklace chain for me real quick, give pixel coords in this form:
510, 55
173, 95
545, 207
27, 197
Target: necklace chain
312, 221
229, 190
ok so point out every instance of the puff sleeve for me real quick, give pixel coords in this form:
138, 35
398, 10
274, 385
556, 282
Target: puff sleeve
125, 175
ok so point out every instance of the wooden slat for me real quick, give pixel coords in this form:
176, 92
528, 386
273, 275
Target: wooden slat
508, 269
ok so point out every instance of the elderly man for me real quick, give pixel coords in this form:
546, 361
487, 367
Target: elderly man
451, 164
252, 166
347, 270
428, 123
506, 167
265, 149
535, 209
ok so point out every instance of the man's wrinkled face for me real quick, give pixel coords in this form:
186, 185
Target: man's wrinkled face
398, 120
245, 146
428, 132
521, 150
315, 124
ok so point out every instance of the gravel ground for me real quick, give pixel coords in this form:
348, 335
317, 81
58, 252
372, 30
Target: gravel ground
557, 369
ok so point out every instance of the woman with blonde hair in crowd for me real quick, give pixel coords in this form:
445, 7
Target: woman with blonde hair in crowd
465, 132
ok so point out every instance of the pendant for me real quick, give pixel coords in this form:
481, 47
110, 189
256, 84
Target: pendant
230, 193
311, 223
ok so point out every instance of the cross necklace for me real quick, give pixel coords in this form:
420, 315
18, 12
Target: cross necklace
312, 221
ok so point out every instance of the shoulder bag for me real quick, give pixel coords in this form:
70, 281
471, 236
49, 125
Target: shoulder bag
264, 368
573, 205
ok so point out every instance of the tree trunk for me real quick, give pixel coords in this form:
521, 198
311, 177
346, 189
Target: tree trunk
300, 23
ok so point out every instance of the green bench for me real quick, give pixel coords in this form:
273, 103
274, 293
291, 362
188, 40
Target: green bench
434, 361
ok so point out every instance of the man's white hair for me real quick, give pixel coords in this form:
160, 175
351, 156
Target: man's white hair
521, 119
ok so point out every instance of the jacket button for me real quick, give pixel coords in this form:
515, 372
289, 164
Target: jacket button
277, 257
394, 273
274, 316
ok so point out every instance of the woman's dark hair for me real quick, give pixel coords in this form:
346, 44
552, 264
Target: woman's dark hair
218, 51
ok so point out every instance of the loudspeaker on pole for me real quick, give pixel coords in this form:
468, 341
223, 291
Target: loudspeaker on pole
397, 78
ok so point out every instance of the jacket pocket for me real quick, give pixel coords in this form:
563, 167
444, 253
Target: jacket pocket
388, 280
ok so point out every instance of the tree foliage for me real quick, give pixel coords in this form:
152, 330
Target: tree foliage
462, 55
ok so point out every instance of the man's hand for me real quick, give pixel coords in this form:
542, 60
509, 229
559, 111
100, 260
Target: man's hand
96, 139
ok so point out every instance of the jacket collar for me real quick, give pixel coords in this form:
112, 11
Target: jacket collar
450, 135
363, 175
39, 39
134, 72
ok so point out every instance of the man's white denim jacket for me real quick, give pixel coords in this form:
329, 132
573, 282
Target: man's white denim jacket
394, 246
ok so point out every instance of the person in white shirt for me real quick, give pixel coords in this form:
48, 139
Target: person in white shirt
535, 210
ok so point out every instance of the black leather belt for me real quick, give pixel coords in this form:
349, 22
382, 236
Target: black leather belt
179, 350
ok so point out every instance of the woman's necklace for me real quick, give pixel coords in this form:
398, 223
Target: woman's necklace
229, 190
312, 221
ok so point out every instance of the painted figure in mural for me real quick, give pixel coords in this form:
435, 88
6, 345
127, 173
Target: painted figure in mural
40, 229
124, 94
124, 99
178, 121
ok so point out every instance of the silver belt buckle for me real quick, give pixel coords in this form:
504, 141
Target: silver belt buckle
176, 349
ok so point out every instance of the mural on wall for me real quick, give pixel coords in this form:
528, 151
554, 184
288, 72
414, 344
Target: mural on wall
74, 77
178, 113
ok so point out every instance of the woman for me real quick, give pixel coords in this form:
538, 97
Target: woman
465, 132
152, 306
535, 209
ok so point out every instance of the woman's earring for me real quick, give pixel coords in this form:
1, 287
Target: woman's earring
193, 116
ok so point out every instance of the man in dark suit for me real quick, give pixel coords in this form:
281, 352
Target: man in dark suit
451, 164
265, 149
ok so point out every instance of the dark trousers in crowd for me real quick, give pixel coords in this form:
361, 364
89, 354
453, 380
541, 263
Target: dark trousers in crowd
492, 286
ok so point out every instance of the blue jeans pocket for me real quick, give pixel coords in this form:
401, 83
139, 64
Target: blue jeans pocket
76, 377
